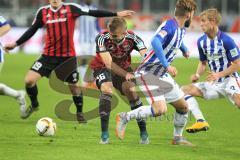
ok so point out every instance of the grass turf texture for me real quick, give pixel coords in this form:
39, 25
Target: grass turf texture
18, 139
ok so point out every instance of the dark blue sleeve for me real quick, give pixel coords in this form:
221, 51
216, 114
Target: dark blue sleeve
202, 56
158, 50
232, 51
183, 48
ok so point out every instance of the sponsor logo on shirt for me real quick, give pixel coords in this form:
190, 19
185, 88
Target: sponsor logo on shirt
57, 20
234, 52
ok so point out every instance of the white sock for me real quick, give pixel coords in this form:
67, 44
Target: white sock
194, 107
5, 90
141, 112
180, 121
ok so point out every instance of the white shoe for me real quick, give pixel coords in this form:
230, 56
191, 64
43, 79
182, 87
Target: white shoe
144, 141
22, 102
104, 141
121, 123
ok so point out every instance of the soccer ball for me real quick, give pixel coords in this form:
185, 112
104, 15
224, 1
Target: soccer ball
46, 127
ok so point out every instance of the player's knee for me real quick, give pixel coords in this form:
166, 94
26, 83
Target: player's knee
185, 89
159, 110
237, 103
106, 89
29, 82
128, 87
183, 109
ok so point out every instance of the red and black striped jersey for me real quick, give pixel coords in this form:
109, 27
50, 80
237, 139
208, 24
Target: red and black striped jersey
120, 52
59, 24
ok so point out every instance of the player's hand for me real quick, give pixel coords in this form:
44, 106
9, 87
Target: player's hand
212, 76
186, 55
129, 76
125, 13
172, 70
9, 46
195, 77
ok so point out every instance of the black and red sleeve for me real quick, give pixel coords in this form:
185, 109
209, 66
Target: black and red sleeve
78, 10
100, 43
138, 42
37, 23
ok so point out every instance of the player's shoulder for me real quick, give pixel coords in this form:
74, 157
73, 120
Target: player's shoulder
3, 21
130, 34
201, 38
72, 4
42, 8
168, 25
102, 36
225, 37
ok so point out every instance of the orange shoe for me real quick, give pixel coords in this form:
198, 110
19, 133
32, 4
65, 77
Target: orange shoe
121, 123
197, 127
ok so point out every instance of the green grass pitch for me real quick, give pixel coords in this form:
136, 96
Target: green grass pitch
19, 141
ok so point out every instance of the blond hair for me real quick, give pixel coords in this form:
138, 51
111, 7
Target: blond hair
212, 14
115, 23
185, 6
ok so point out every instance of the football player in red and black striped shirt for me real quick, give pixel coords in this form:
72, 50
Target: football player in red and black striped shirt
59, 20
112, 68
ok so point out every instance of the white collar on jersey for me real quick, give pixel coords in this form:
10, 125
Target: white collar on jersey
55, 10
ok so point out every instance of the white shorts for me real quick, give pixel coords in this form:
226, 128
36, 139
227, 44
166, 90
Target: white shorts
157, 88
86, 49
214, 90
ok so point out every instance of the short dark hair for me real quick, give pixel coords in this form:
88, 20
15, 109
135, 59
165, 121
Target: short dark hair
115, 23
185, 6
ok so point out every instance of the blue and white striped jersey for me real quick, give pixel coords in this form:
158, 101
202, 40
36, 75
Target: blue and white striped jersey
172, 36
3, 22
88, 26
218, 52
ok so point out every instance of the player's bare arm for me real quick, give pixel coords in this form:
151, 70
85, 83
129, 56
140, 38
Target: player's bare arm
142, 52
234, 67
107, 60
200, 70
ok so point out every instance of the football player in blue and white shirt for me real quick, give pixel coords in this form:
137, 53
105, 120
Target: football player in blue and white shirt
4, 89
154, 74
218, 51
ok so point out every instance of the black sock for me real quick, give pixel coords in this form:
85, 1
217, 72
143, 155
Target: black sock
104, 110
78, 101
32, 93
141, 123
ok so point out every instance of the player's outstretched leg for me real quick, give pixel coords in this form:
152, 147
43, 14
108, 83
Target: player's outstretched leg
18, 95
22, 102
201, 124
141, 122
140, 113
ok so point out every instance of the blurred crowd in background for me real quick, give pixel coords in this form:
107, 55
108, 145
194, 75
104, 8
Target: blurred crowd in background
150, 13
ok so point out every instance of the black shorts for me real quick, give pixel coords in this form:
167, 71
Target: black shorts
104, 75
64, 67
